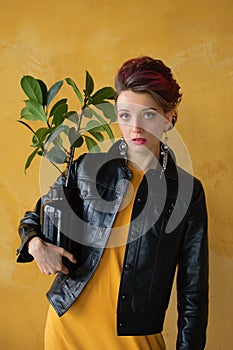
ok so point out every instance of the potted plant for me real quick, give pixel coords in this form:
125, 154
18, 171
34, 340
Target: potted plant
57, 122
57, 125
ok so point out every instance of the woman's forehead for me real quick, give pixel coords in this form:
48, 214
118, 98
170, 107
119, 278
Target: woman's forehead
135, 100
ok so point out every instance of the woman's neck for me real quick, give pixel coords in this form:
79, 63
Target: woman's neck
144, 161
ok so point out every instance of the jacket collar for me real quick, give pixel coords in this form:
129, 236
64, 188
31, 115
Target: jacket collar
113, 155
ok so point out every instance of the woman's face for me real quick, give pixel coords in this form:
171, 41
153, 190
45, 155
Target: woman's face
142, 121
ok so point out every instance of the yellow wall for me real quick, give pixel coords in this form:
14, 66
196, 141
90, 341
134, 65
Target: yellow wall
53, 39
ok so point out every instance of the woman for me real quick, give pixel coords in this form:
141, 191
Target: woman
139, 216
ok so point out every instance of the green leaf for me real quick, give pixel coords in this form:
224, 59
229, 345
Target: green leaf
75, 88
89, 84
56, 132
29, 159
66, 131
97, 135
95, 126
36, 109
73, 117
58, 141
39, 136
44, 91
53, 91
102, 94
58, 119
75, 138
56, 155
106, 127
57, 104
32, 89
28, 126
88, 112
92, 146
26, 114
108, 110
60, 114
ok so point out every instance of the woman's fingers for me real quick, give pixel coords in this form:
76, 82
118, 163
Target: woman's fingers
69, 256
49, 257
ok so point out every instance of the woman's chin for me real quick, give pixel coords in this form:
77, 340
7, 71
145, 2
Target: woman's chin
134, 150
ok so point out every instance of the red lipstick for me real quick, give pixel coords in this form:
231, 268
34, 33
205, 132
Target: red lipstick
139, 141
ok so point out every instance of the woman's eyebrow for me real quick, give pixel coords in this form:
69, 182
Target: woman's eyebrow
149, 108
123, 110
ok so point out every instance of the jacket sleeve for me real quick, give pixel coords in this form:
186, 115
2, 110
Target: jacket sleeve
192, 276
30, 226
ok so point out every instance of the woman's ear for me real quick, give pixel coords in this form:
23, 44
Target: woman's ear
169, 120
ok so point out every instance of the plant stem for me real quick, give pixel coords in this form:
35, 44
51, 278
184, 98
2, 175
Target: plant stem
54, 164
72, 149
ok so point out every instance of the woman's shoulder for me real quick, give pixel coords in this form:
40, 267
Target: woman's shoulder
87, 163
89, 159
189, 176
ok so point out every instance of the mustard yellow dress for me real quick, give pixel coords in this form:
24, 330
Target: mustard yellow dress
90, 323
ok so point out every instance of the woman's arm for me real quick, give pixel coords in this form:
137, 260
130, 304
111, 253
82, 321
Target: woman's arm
192, 277
29, 228
34, 244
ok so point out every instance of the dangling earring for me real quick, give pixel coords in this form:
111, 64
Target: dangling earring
164, 153
123, 147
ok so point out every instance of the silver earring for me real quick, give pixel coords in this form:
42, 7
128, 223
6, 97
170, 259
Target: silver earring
123, 147
164, 153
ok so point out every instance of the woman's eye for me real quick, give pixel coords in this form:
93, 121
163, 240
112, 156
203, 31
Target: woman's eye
149, 115
125, 116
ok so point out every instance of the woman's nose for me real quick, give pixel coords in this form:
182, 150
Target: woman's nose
136, 128
136, 125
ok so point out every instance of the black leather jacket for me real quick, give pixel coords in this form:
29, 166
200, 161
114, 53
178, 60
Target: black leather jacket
168, 230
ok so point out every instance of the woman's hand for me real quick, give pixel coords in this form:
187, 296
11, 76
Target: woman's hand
48, 256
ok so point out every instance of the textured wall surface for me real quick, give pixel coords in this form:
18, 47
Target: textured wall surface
55, 39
